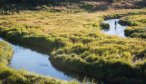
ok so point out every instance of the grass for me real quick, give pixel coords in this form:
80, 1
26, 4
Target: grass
76, 43
69, 5
5, 52
11, 76
105, 26
137, 27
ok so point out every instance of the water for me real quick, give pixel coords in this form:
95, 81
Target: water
1, 39
33, 61
36, 62
115, 30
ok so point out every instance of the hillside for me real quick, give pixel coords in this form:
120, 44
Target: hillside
70, 5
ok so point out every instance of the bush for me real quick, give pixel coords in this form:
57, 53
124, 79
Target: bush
127, 23
105, 26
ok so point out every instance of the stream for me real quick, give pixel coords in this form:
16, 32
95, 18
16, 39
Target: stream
33, 61
114, 30
37, 62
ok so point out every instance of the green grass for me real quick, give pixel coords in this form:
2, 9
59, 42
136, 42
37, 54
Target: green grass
76, 43
11, 76
105, 26
5, 52
137, 25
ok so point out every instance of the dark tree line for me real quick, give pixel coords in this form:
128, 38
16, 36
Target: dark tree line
110, 1
18, 1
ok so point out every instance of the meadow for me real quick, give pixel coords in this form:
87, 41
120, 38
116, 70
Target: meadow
71, 33
137, 26
11, 76
76, 43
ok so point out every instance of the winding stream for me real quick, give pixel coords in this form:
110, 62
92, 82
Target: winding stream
34, 61
115, 30
37, 62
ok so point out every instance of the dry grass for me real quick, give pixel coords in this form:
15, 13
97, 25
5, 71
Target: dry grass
75, 40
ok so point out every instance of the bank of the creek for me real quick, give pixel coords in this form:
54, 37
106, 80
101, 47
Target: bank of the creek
115, 28
34, 60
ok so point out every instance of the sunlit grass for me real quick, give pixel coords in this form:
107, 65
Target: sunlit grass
11, 76
76, 42
137, 25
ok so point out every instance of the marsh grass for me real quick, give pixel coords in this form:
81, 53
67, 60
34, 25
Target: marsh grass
76, 43
136, 23
11, 76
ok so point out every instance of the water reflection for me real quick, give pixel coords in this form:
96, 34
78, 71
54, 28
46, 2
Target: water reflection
35, 62
115, 28
29, 59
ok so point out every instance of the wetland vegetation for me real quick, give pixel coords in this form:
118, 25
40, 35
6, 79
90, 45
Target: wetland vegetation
73, 38
11, 76
136, 23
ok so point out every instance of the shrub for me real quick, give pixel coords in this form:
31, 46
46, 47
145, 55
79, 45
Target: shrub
105, 26
127, 23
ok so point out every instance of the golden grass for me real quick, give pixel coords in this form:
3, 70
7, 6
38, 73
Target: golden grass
80, 38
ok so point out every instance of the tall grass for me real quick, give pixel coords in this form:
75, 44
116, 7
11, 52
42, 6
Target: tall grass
11, 76
136, 23
76, 43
